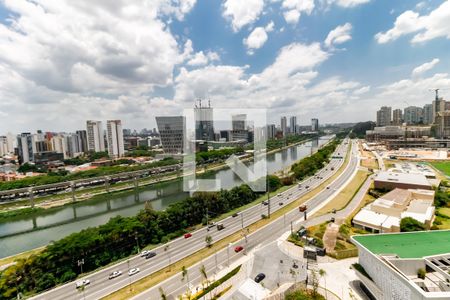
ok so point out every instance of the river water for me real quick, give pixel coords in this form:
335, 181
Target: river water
32, 231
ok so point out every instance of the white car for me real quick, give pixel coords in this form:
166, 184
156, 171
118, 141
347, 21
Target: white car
144, 253
133, 271
114, 274
82, 283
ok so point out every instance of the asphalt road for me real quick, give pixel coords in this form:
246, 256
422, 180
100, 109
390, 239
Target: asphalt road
173, 287
180, 248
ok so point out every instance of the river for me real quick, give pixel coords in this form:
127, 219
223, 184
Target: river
32, 231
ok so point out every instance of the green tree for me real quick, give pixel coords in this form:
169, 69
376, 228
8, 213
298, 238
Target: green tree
208, 240
409, 224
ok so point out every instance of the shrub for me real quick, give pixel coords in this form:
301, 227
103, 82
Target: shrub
409, 224
421, 273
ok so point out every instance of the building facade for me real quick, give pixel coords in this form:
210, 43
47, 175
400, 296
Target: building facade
271, 131
82, 140
293, 125
397, 117
204, 122
95, 136
114, 138
283, 123
413, 115
384, 116
315, 125
25, 147
427, 114
443, 124
171, 130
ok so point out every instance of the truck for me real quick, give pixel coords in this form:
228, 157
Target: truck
302, 208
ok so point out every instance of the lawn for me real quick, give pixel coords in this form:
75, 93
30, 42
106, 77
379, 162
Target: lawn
444, 167
345, 196
407, 245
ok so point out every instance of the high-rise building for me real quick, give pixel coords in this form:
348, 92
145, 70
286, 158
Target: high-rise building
239, 122
443, 124
315, 125
384, 116
171, 130
293, 124
3, 146
413, 115
82, 141
95, 136
438, 106
73, 145
271, 131
284, 128
204, 124
25, 147
397, 117
427, 114
59, 145
239, 131
115, 138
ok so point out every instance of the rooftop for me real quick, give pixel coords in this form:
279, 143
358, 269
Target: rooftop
408, 178
408, 244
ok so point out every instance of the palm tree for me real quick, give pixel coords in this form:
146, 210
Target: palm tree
185, 275
323, 273
205, 276
208, 240
163, 295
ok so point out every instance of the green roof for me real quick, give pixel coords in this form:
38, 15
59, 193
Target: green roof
407, 245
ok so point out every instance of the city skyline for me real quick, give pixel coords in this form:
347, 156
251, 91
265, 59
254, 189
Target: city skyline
248, 58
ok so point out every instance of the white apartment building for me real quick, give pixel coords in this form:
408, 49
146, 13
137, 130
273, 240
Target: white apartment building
95, 136
115, 138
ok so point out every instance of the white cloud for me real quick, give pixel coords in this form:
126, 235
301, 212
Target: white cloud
424, 67
339, 35
242, 13
200, 59
363, 90
351, 3
344, 3
292, 16
256, 39
426, 27
294, 9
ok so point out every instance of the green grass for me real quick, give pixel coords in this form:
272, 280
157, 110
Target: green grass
444, 167
407, 245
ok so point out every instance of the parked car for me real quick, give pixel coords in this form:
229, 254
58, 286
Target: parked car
260, 277
238, 249
150, 255
133, 271
82, 283
114, 274
187, 235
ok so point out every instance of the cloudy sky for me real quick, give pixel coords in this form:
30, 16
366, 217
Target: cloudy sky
63, 62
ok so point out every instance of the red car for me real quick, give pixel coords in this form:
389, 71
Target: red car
187, 235
238, 249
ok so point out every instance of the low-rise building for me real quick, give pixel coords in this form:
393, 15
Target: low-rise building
386, 212
389, 180
405, 266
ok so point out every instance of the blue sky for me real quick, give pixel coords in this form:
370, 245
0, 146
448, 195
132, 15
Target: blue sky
132, 60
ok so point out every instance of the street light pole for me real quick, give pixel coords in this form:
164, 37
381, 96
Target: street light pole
228, 255
242, 220
80, 264
129, 277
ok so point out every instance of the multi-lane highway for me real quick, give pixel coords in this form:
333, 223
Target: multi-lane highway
180, 248
174, 287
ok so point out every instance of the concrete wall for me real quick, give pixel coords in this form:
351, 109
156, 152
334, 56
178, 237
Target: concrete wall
393, 285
